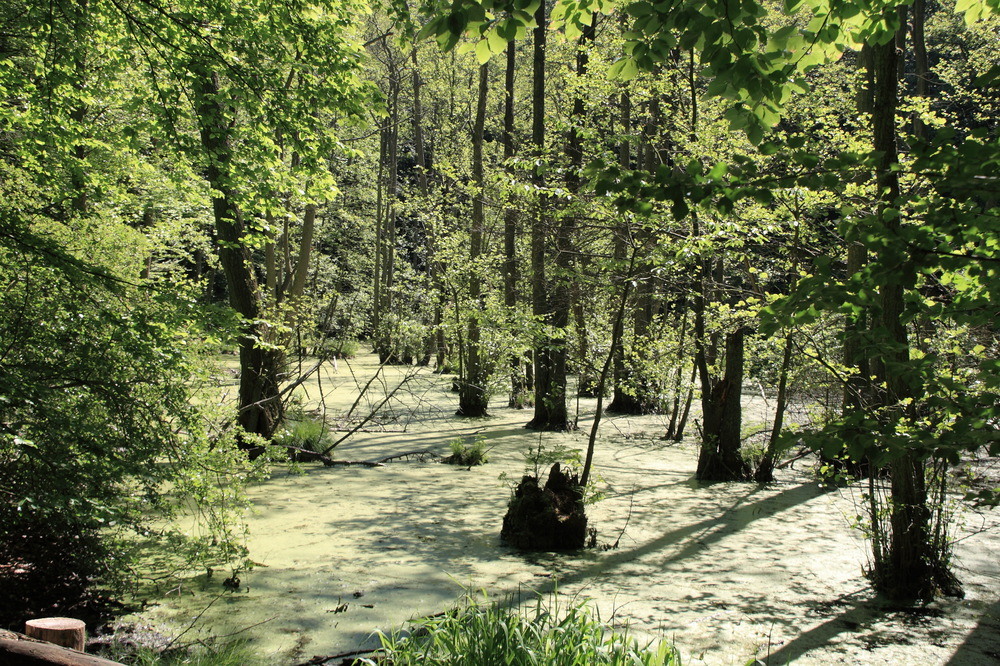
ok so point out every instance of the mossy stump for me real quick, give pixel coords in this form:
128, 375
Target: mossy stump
549, 518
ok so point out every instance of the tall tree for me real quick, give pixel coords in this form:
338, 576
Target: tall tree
549, 294
520, 367
473, 397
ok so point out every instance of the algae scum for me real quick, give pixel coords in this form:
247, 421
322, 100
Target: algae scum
726, 571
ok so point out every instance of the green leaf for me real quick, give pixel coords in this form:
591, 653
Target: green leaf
624, 69
641, 8
483, 51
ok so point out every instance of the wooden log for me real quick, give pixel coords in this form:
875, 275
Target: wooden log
20, 649
64, 631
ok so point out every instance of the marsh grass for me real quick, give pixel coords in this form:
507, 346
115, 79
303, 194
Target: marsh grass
303, 431
486, 633
468, 454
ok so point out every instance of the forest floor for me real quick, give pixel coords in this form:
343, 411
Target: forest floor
725, 571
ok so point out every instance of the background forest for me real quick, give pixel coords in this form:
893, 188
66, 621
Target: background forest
660, 205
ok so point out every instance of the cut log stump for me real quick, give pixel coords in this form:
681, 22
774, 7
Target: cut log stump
26, 651
64, 631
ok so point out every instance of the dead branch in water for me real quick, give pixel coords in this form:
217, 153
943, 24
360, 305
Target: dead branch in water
344, 656
299, 454
417, 454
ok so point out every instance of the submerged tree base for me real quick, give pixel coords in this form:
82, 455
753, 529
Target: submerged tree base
549, 518
936, 580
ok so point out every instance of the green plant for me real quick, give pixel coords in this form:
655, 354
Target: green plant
485, 633
303, 431
542, 457
468, 454
346, 348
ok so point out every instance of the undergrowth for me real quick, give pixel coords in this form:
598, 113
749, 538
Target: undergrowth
486, 633
232, 653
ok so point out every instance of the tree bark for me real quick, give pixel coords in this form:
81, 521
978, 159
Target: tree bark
720, 458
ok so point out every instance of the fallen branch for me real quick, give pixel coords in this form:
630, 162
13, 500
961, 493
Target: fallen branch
298, 454
798, 456
343, 655
419, 454
371, 414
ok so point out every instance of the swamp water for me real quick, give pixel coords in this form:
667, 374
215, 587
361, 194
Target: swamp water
725, 571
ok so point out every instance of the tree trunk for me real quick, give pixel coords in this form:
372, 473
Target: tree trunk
765, 471
435, 344
921, 62
520, 386
548, 308
260, 407
675, 408
472, 396
720, 458
64, 631
586, 372
635, 393
910, 568
679, 432
621, 231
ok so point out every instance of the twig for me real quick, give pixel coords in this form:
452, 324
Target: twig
631, 503
407, 455
370, 416
194, 621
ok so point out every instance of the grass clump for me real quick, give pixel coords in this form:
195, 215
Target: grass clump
468, 454
303, 431
485, 633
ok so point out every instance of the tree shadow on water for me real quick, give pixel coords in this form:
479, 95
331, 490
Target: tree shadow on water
982, 645
694, 537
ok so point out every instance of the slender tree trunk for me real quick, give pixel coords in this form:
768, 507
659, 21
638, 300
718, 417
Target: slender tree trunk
473, 399
78, 166
679, 432
921, 62
910, 567
765, 471
390, 340
520, 386
377, 291
586, 373
548, 304
435, 344
675, 408
616, 341
621, 231
635, 393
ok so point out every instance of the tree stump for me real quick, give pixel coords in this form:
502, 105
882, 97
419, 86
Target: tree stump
64, 631
549, 518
